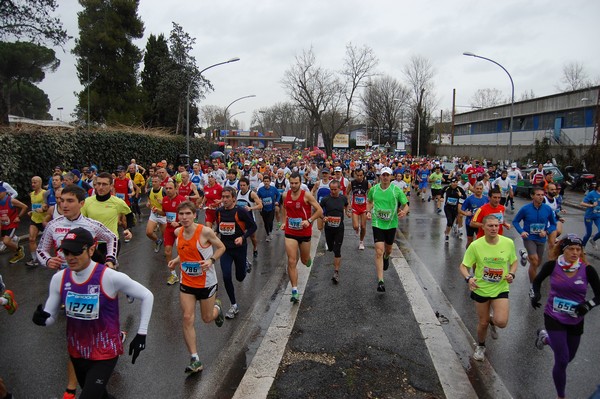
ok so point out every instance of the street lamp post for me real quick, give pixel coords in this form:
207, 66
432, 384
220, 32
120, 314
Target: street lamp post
230, 104
418, 132
512, 97
187, 133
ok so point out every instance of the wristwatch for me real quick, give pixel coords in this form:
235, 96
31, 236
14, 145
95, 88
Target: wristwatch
470, 276
213, 260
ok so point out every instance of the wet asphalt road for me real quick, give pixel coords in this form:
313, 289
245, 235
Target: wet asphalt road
33, 358
525, 370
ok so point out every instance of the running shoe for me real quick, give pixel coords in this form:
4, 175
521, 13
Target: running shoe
2, 286
380, 286
69, 395
172, 279
295, 298
326, 246
279, 225
336, 277
455, 229
594, 245
523, 255
248, 267
12, 304
446, 238
157, 245
194, 366
309, 262
541, 338
233, 310
422, 199
479, 354
429, 199
493, 331
386, 262
268, 239
18, 256
255, 254
32, 262
512, 207
438, 211
361, 245
127, 240
220, 319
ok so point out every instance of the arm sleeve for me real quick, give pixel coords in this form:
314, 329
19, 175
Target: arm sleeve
102, 233
46, 244
517, 220
594, 282
11, 191
53, 302
114, 282
545, 272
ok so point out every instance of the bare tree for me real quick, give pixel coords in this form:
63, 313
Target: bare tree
284, 119
385, 103
419, 73
327, 96
574, 77
484, 98
527, 95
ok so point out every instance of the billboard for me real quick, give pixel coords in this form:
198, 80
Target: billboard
361, 139
341, 141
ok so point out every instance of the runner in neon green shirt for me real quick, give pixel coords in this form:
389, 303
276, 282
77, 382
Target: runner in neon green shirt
495, 262
436, 179
386, 203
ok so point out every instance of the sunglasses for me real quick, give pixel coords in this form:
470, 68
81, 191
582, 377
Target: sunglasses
74, 253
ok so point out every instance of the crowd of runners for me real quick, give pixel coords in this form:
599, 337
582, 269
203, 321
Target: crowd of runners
209, 212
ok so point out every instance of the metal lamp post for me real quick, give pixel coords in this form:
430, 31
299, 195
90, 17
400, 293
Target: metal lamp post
187, 134
512, 97
230, 104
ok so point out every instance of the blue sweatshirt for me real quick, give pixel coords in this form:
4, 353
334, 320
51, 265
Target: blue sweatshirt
268, 197
535, 220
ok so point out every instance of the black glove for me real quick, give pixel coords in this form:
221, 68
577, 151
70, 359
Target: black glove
535, 300
40, 316
136, 346
583, 308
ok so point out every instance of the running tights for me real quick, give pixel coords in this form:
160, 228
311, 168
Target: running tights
93, 376
564, 346
588, 229
232, 256
268, 217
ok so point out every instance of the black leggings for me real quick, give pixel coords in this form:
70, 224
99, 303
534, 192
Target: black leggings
93, 376
233, 256
451, 212
268, 217
334, 238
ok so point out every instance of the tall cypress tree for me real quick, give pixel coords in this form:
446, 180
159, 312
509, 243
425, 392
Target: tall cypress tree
155, 59
108, 61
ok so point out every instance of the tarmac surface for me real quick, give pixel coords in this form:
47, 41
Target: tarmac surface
341, 341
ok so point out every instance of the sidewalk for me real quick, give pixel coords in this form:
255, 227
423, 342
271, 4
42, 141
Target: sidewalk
350, 341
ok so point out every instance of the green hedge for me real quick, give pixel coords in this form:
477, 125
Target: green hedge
30, 152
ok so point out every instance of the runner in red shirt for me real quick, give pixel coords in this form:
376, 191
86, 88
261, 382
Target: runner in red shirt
212, 199
491, 208
169, 209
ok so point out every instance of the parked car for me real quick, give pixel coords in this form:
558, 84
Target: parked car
524, 186
447, 168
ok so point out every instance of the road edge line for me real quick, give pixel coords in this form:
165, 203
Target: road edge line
452, 375
261, 372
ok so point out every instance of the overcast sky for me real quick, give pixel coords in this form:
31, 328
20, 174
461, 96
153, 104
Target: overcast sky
533, 40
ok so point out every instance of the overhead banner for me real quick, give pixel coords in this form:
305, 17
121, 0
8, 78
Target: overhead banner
341, 141
401, 145
361, 139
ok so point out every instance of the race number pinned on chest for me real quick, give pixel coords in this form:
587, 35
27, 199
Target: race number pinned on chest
384, 214
359, 199
171, 216
492, 275
192, 269
295, 223
82, 306
227, 228
334, 221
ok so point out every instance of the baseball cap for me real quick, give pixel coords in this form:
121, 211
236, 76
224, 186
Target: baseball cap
246, 162
76, 172
120, 168
386, 170
453, 180
324, 170
465, 177
196, 160
2, 188
337, 169
76, 239
513, 165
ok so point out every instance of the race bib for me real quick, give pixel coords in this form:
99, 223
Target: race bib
499, 216
192, 269
537, 228
267, 201
424, 176
5, 220
504, 191
35, 207
242, 203
360, 200
438, 182
120, 195
171, 216
492, 275
384, 214
567, 306
281, 190
227, 228
295, 223
452, 201
334, 221
82, 306
596, 209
